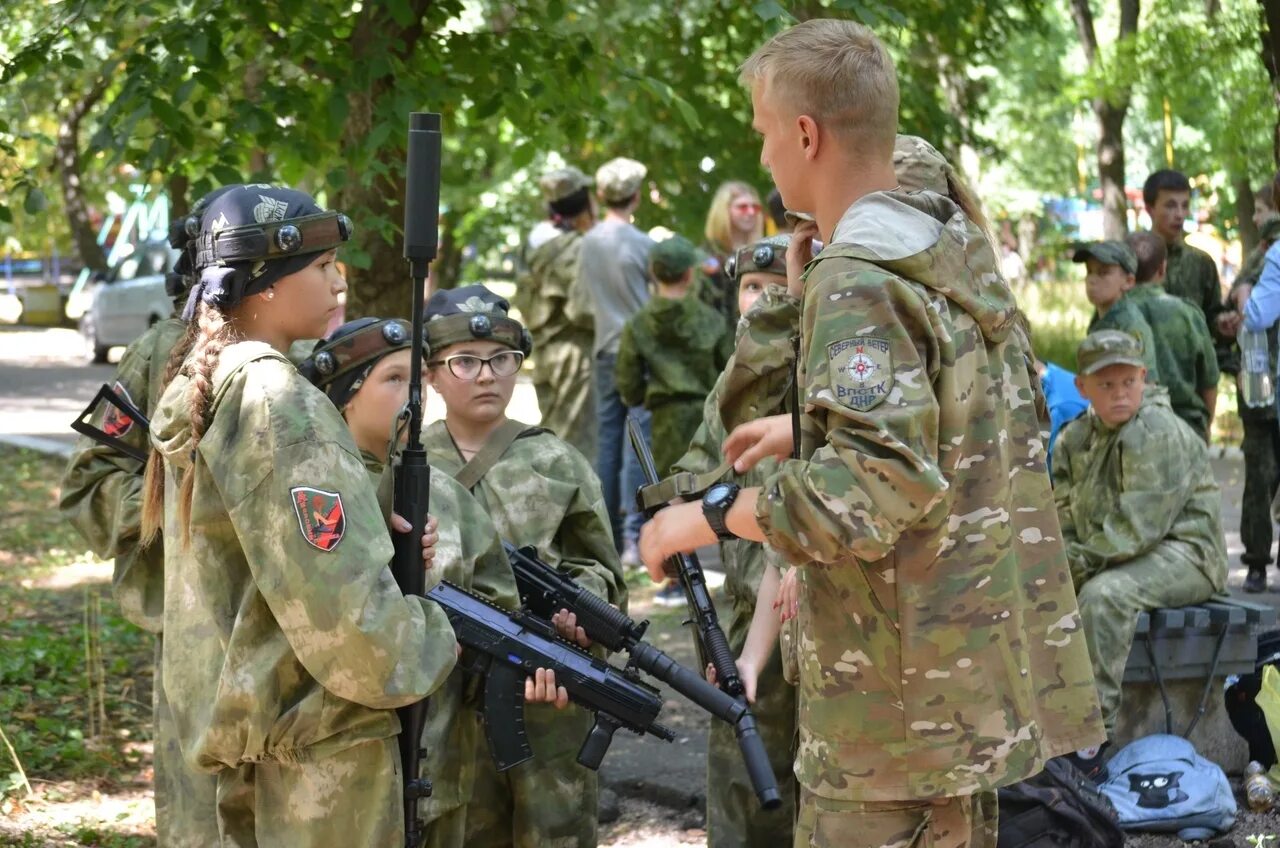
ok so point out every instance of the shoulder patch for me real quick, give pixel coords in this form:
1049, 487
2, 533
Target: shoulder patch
320, 516
861, 371
115, 421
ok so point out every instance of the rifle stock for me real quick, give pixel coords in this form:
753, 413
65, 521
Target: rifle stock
713, 643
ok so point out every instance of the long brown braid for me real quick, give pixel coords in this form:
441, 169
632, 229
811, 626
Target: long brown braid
196, 355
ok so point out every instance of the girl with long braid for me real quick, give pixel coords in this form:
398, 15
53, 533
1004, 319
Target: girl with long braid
288, 643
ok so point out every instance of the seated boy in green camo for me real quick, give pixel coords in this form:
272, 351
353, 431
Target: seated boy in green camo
1110, 267
1183, 345
1138, 505
671, 351
541, 492
734, 816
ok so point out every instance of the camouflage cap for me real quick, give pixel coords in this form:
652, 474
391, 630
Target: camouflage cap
472, 312
767, 256
1269, 229
1108, 347
669, 259
919, 166
619, 179
1108, 252
339, 364
561, 183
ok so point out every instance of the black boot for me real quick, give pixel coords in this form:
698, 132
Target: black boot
1256, 580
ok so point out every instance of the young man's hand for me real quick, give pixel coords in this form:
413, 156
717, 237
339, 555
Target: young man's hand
430, 536
799, 254
753, 441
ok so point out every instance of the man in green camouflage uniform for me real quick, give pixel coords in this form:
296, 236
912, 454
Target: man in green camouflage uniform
940, 646
671, 351
539, 491
558, 313
1183, 345
1261, 443
1139, 507
1107, 261
734, 816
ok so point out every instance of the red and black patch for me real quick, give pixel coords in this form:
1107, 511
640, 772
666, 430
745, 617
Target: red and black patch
115, 421
320, 516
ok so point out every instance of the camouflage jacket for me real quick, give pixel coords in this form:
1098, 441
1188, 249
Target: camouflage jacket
758, 378
1193, 276
1124, 316
543, 493
1184, 349
469, 554
554, 306
671, 352
101, 489
286, 635
941, 646
1121, 492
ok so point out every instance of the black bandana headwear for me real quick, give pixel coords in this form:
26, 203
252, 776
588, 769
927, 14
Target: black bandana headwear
244, 248
341, 362
472, 312
184, 235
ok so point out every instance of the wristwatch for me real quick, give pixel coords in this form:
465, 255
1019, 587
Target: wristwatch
715, 505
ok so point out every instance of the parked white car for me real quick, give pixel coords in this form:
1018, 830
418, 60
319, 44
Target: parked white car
128, 300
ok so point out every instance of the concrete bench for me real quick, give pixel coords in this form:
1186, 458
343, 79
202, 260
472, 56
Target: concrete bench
1173, 677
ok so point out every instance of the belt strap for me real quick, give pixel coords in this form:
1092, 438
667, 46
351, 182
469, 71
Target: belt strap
684, 485
485, 458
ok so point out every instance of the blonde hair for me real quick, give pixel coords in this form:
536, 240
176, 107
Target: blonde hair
837, 72
195, 355
719, 229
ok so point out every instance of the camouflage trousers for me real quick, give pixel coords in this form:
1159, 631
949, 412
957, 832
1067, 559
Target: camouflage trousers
734, 816
1261, 448
353, 797
674, 426
967, 821
186, 798
549, 801
563, 383
1111, 600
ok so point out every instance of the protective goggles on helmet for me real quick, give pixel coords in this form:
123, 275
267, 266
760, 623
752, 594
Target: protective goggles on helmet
260, 242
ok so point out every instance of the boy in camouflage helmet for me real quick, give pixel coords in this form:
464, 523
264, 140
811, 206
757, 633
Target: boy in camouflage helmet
931, 673
101, 497
734, 816
558, 313
1110, 267
539, 491
1138, 504
289, 644
363, 367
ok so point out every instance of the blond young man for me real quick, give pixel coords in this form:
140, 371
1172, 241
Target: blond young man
918, 511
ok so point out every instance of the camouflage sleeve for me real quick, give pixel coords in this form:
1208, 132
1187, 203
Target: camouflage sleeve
704, 449
491, 575
758, 374
585, 537
628, 372
1063, 485
1157, 477
335, 599
1207, 372
869, 392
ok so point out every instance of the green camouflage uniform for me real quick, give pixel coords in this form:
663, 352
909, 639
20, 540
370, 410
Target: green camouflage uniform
102, 498
668, 359
1125, 316
941, 652
1139, 508
1184, 351
290, 644
1193, 276
558, 314
734, 816
541, 493
1261, 443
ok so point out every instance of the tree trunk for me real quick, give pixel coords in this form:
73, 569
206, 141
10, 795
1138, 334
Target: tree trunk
67, 162
1271, 61
1244, 212
1115, 220
178, 186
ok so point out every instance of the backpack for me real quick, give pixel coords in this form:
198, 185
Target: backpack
1058, 808
1159, 783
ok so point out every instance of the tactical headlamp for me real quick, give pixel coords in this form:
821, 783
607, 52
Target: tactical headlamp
259, 242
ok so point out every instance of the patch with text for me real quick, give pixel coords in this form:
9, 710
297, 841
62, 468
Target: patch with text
860, 371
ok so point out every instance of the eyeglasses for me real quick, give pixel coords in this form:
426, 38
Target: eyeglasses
466, 366
747, 207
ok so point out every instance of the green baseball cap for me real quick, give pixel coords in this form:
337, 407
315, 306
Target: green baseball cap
1108, 347
669, 259
1109, 252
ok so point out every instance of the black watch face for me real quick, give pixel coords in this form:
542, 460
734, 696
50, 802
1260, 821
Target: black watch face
718, 493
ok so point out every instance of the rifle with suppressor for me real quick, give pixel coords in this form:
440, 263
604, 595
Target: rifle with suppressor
510, 646
413, 474
711, 638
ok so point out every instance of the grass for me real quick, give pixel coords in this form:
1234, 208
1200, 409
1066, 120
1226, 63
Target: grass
1059, 314
75, 676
